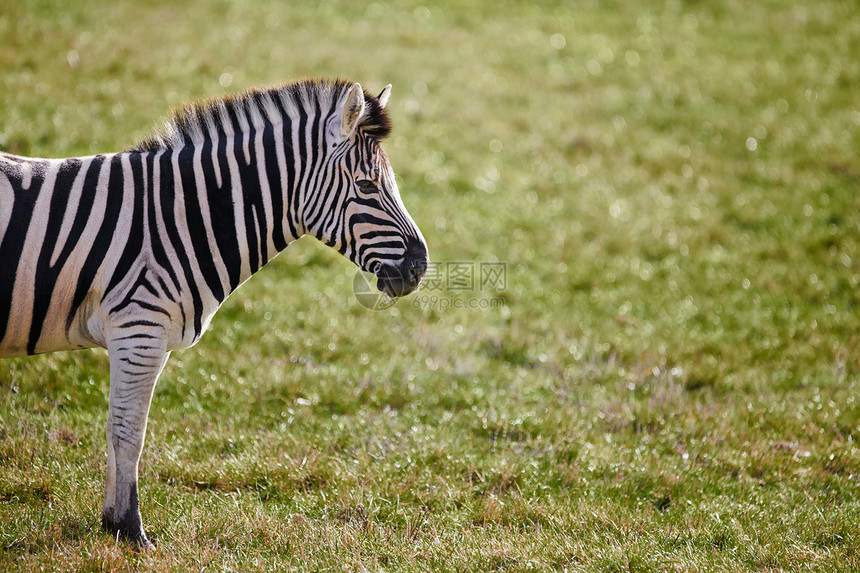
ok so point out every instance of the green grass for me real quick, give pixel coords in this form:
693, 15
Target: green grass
670, 384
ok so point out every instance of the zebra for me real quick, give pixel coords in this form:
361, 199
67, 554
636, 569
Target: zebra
134, 251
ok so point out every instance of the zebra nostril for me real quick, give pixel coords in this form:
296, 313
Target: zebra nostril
416, 255
417, 268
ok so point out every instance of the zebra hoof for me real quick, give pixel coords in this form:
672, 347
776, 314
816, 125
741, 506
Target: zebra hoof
133, 534
140, 543
144, 546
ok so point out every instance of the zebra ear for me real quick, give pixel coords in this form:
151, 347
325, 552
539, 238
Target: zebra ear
352, 110
383, 96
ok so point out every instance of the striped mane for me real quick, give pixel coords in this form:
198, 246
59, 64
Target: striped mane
200, 121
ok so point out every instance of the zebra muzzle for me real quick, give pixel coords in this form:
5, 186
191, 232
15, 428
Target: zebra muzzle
401, 279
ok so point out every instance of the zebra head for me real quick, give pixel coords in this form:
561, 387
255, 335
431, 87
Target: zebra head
359, 211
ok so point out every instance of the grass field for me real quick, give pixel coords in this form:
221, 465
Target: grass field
667, 378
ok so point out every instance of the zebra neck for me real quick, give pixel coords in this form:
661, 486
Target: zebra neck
239, 205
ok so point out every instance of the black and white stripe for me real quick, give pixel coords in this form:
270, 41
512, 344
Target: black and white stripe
135, 251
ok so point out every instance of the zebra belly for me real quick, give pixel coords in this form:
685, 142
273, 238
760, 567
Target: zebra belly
39, 275
26, 335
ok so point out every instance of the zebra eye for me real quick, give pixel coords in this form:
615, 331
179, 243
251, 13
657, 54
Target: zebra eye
366, 185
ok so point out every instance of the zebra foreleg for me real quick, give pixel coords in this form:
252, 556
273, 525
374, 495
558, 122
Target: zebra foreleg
135, 364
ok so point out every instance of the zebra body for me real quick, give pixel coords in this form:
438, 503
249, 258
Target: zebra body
96, 268
135, 251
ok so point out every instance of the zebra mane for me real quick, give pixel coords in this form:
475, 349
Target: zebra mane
256, 108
